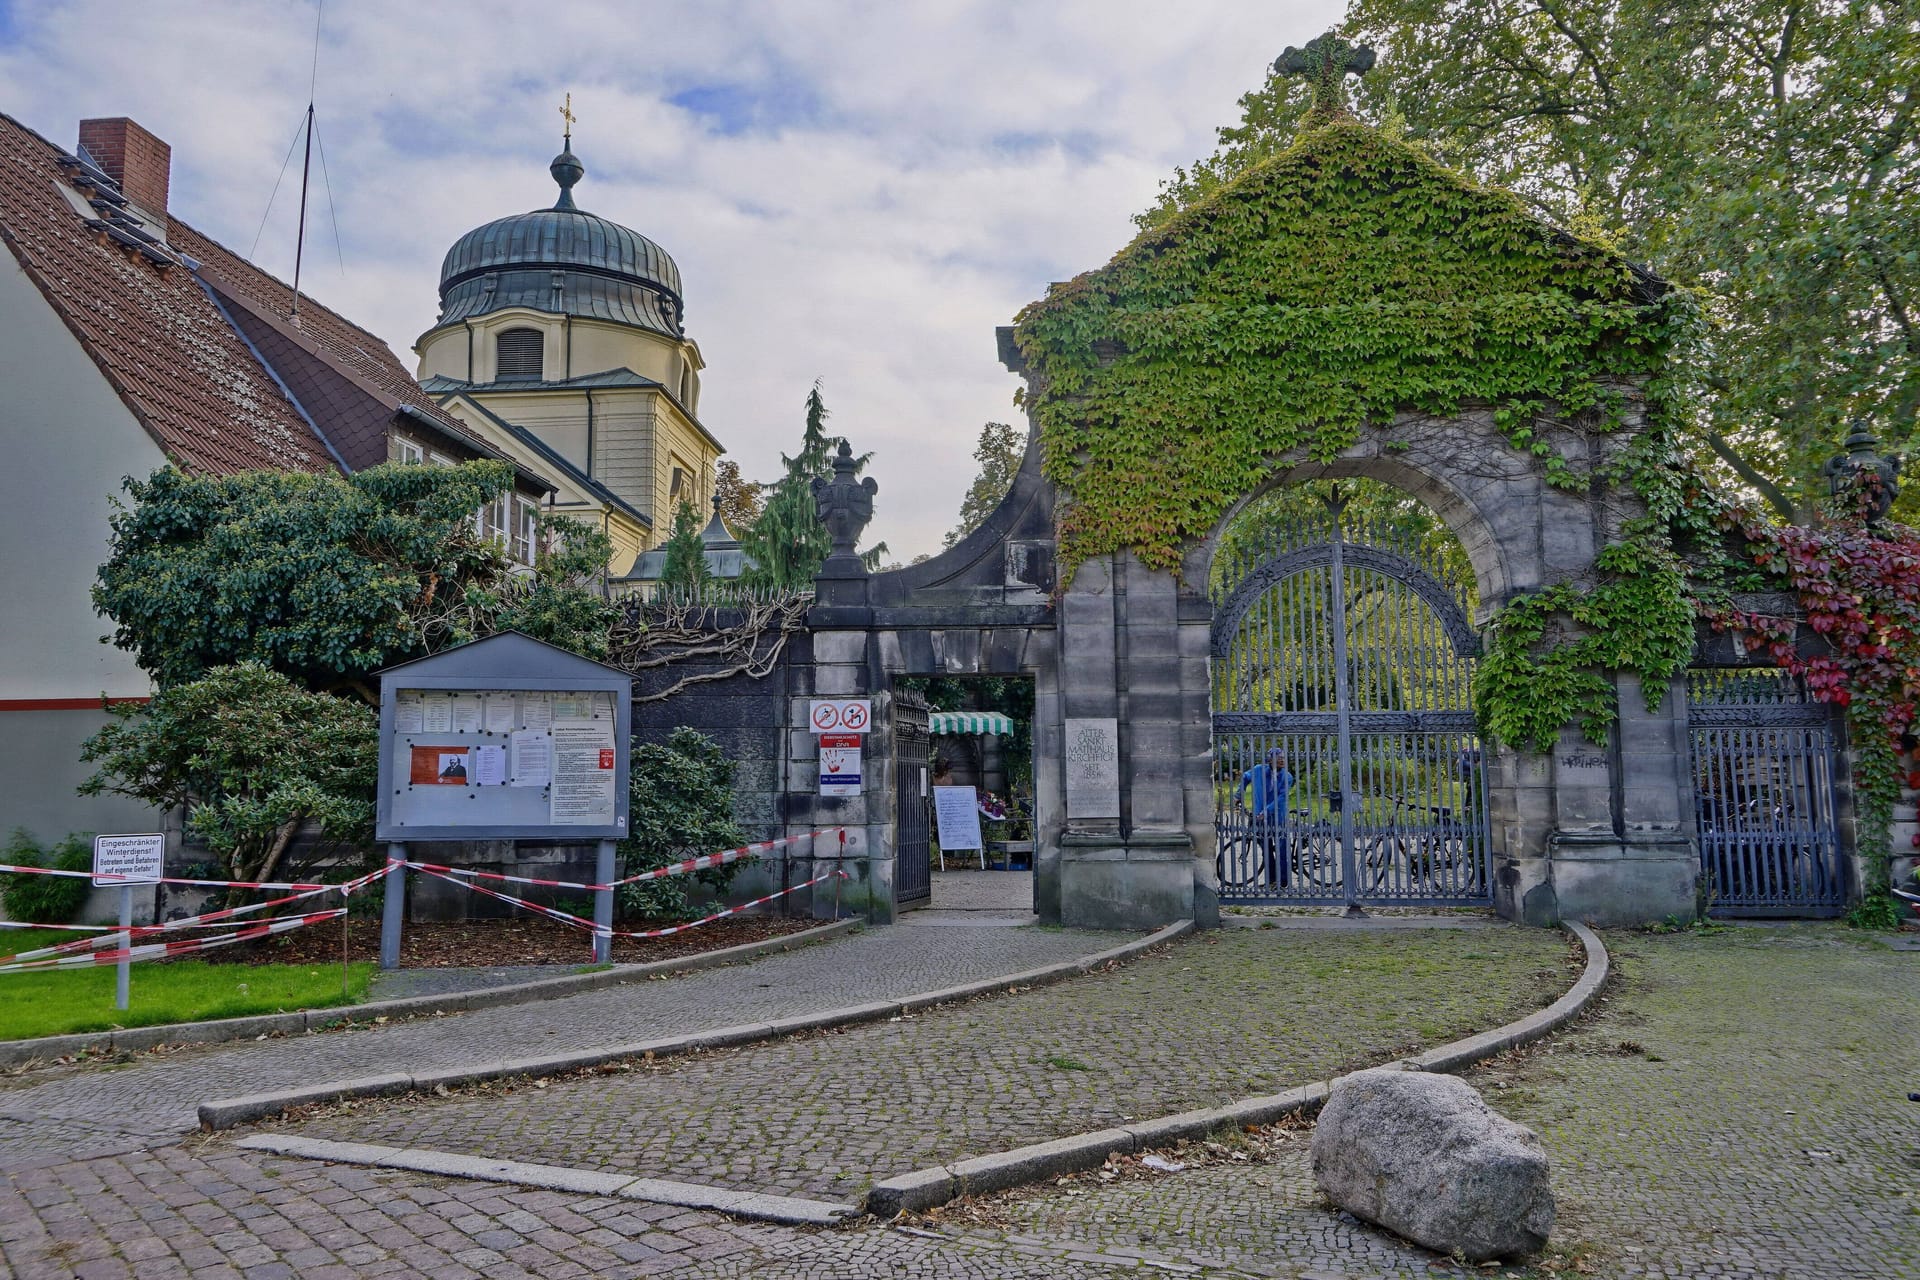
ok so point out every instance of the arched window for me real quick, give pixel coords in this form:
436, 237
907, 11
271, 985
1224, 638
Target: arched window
518, 355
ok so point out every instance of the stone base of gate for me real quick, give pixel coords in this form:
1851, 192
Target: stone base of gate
1142, 881
1603, 880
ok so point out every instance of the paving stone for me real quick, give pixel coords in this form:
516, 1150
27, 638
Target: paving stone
1222, 1016
61, 1112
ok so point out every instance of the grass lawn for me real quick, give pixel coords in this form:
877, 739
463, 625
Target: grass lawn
58, 1002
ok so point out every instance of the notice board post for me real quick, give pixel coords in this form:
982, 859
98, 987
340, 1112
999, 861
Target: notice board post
507, 738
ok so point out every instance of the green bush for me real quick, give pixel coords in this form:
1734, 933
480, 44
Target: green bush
682, 807
47, 899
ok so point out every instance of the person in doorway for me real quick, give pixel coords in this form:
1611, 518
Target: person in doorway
942, 772
1270, 785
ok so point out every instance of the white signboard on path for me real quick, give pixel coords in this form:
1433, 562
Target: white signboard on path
119, 860
956, 811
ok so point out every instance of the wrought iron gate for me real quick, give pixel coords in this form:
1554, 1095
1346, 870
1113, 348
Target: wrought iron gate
1347, 764
912, 852
1764, 757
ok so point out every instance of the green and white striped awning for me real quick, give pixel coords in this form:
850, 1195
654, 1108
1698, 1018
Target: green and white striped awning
969, 722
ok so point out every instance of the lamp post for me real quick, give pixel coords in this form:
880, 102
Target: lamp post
1846, 471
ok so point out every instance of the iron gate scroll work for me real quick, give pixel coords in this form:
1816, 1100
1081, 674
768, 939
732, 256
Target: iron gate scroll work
912, 831
1764, 756
1348, 768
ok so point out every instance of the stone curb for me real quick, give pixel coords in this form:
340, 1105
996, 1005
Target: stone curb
927, 1188
134, 1039
225, 1113
589, 1182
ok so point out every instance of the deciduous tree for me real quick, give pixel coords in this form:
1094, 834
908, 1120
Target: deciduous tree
1763, 151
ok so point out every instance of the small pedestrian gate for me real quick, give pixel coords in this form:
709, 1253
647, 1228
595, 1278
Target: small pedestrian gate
912, 829
1764, 758
1347, 764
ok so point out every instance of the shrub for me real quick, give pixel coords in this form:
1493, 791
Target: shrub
47, 899
682, 807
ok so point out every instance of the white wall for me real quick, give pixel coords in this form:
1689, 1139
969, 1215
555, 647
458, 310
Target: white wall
67, 440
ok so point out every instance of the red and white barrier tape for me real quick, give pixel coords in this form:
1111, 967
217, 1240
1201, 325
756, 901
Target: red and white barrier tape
108, 934
580, 922
167, 950
701, 863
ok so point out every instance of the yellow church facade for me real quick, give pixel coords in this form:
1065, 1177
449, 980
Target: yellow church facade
560, 340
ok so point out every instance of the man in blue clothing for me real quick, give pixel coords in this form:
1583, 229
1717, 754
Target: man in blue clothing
1270, 784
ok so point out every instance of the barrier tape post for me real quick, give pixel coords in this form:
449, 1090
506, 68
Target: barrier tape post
123, 972
603, 904
840, 865
394, 910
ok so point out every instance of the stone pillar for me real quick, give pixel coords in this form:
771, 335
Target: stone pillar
1125, 858
1621, 850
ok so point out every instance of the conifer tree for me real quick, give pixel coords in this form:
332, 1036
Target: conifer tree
787, 545
686, 567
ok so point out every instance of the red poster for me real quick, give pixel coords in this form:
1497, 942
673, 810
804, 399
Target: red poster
439, 767
840, 740
606, 758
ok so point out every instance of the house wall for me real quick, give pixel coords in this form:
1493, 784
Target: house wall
68, 440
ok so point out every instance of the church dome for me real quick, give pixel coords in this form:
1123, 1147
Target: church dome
565, 261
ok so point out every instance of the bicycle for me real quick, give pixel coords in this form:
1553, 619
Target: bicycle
1445, 854
1312, 850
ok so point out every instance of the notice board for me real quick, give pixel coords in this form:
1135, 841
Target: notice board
506, 738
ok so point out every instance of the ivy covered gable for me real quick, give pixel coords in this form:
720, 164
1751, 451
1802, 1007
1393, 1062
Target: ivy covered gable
1346, 279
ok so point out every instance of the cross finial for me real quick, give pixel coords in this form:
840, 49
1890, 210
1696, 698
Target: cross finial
1329, 60
566, 113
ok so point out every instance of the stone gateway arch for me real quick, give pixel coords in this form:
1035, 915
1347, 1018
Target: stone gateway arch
1140, 740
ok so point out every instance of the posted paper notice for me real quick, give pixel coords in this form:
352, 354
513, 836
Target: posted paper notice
532, 758
489, 766
582, 793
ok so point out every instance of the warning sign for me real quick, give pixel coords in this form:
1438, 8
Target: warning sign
840, 771
840, 715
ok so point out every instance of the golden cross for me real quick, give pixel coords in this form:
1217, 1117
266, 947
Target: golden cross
566, 113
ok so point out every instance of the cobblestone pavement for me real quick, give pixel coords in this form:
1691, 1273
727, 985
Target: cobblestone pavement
1698, 1154
1736, 1112
400, 984
1227, 1015
99, 1108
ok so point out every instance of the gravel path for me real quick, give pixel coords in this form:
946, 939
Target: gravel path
100, 1108
1218, 1017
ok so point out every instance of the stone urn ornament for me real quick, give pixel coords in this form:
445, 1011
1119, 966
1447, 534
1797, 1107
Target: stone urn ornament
844, 505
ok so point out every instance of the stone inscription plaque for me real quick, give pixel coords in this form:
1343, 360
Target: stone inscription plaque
1093, 768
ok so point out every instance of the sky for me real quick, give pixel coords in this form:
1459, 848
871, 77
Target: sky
857, 192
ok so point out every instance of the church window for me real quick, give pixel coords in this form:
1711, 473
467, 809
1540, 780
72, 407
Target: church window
518, 355
677, 489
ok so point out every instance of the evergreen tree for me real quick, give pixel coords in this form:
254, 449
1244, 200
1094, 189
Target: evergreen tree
686, 566
787, 545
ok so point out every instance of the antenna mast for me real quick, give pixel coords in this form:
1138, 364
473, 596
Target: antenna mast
306, 165
300, 238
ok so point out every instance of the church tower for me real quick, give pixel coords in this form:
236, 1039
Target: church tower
560, 338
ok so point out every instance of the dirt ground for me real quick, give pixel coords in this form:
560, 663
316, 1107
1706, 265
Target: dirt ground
481, 943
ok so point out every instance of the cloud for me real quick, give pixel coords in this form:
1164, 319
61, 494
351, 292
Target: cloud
854, 191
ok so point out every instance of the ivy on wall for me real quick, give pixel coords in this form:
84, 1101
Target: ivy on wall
1345, 280
1340, 282
1351, 278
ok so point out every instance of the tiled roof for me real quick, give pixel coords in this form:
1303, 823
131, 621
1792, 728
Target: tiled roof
320, 330
159, 339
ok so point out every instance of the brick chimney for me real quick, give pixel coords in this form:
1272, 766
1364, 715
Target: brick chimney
132, 157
